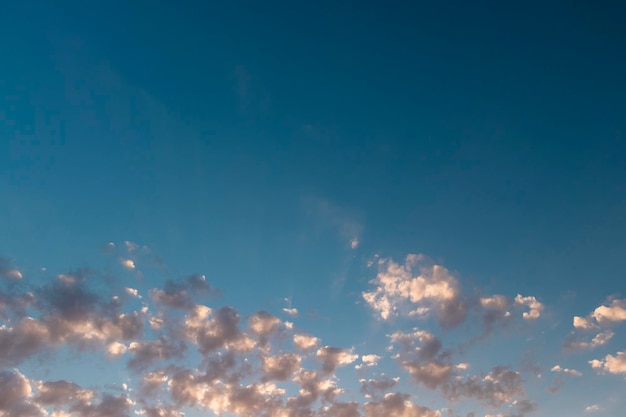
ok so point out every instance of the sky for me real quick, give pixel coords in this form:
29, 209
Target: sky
312, 209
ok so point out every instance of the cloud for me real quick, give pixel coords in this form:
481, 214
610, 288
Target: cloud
531, 302
145, 353
305, 341
602, 316
333, 357
373, 387
368, 360
7, 271
397, 405
592, 408
400, 289
280, 367
602, 338
217, 360
293, 312
567, 371
613, 364
16, 395
212, 329
421, 355
127, 263
177, 294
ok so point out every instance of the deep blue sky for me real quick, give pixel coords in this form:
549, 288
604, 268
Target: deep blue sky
252, 141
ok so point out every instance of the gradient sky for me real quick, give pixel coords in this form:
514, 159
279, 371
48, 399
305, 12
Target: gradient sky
312, 209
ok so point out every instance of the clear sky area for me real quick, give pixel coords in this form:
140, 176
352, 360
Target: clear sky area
312, 209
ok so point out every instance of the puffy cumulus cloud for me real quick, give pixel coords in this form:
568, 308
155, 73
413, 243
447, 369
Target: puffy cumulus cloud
145, 353
263, 325
613, 364
421, 355
212, 329
593, 407
16, 396
215, 361
62, 392
522, 407
338, 409
293, 312
574, 343
108, 406
374, 387
534, 306
402, 288
70, 316
602, 316
397, 405
177, 294
611, 314
312, 387
494, 388
127, 263
567, 371
26, 338
152, 382
280, 367
333, 357
583, 323
496, 302
132, 292
368, 360
8, 271
305, 341
161, 411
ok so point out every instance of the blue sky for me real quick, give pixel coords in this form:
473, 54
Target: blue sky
441, 186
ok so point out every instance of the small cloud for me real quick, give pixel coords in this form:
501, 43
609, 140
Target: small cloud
131, 246
116, 349
305, 341
613, 364
127, 263
133, 292
531, 302
14, 273
293, 312
572, 372
592, 408
67, 279
354, 243
368, 360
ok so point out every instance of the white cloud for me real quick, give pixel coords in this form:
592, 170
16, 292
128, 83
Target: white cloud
127, 263
599, 339
604, 315
116, 348
592, 408
400, 289
613, 364
133, 292
293, 312
531, 302
607, 315
572, 372
583, 323
305, 341
333, 357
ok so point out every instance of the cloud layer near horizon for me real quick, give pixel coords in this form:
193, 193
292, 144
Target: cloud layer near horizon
184, 354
